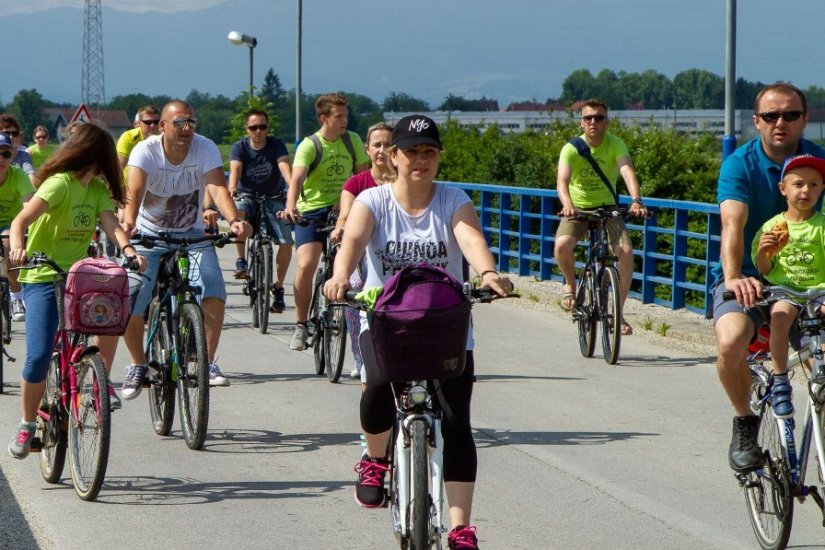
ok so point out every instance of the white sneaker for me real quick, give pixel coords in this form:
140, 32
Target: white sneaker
216, 377
18, 310
298, 342
355, 373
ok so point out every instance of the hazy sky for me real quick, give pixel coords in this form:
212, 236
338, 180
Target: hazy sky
508, 50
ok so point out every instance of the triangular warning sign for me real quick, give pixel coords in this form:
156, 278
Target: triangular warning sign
82, 114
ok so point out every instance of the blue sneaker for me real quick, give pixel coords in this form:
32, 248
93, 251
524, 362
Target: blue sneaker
240, 269
782, 397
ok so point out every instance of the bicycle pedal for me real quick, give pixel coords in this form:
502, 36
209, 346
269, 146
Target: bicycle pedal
37, 445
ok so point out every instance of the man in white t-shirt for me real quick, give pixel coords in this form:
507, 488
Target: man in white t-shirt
168, 175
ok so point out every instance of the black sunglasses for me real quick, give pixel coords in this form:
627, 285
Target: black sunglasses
787, 116
151, 122
6, 154
256, 127
591, 118
12, 133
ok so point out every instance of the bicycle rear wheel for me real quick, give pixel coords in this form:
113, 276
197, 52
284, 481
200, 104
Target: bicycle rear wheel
161, 385
421, 505
193, 377
335, 342
610, 306
5, 311
767, 490
51, 426
263, 278
585, 314
89, 428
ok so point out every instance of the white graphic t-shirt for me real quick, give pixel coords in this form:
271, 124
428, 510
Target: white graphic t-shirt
174, 193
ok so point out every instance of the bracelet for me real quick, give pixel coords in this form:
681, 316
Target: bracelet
211, 207
483, 273
128, 246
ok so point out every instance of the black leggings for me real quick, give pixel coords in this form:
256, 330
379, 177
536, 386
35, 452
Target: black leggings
378, 416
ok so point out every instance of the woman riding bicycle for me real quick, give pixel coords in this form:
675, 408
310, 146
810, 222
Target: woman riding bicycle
82, 176
387, 223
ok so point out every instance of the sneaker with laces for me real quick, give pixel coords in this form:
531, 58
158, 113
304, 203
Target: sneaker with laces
782, 397
462, 538
298, 342
21, 444
278, 303
240, 268
216, 377
745, 455
369, 489
133, 383
114, 400
355, 372
18, 310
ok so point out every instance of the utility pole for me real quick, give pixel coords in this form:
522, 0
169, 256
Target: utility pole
92, 89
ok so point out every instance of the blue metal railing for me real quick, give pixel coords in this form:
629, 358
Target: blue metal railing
672, 258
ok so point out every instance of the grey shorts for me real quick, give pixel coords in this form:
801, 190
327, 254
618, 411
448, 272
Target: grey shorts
759, 315
616, 230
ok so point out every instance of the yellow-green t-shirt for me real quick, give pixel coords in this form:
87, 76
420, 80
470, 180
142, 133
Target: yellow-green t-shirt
16, 186
40, 155
801, 264
587, 190
323, 186
63, 232
125, 143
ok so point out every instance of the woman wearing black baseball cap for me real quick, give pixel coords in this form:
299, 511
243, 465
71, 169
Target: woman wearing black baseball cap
413, 220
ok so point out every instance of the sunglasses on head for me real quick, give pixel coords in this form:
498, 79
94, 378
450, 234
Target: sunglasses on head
787, 116
12, 133
181, 122
258, 127
591, 118
151, 122
6, 154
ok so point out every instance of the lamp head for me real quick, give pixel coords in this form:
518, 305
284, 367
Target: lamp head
237, 38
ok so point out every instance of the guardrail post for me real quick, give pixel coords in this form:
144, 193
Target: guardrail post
648, 261
548, 239
505, 240
679, 251
712, 254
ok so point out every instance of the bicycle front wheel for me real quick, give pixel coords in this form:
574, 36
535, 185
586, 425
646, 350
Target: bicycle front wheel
767, 490
89, 428
335, 342
420, 507
610, 306
6, 310
315, 322
161, 386
193, 377
51, 426
263, 278
586, 313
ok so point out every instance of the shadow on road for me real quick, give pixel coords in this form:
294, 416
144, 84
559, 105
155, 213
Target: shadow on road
496, 438
14, 526
667, 362
517, 377
267, 441
243, 378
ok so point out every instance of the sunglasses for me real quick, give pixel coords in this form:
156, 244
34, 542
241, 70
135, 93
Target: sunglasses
181, 122
151, 122
6, 154
787, 116
592, 118
12, 133
257, 127
41, 137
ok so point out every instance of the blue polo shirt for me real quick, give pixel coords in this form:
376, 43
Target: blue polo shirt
749, 176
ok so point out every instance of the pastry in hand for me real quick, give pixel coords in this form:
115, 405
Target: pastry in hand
780, 230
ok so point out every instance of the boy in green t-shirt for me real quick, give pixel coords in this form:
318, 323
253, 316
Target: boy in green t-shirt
788, 251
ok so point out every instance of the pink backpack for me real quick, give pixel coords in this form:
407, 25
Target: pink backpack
97, 298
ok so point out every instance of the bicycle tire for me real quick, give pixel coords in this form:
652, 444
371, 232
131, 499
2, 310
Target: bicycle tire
316, 324
610, 305
89, 428
6, 310
3, 343
52, 432
335, 342
193, 377
767, 490
264, 276
161, 385
420, 506
253, 280
585, 313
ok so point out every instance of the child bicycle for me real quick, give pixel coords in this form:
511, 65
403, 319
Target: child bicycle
74, 413
176, 341
770, 490
415, 456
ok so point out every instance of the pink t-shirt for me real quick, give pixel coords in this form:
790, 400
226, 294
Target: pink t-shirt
360, 182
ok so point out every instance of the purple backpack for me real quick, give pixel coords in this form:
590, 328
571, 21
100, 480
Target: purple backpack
420, 324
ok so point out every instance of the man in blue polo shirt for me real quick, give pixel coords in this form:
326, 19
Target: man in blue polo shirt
748, 195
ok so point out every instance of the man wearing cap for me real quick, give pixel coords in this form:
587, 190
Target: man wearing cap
748, 195
15, 189
315, 188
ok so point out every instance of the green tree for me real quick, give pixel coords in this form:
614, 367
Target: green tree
28, 107
399, 102
132, 102
580, 84
272, 93
698, 89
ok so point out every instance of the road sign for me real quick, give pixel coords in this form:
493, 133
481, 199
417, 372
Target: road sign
82, 115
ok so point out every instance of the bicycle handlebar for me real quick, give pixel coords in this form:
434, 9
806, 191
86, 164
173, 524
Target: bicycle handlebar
482, 294
149, 241
39, 258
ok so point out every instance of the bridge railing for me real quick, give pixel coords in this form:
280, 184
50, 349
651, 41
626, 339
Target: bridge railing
674, 250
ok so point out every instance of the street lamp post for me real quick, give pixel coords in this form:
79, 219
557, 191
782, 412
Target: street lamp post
237, 38
298, 78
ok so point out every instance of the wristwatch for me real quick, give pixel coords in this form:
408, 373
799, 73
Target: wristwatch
638, 201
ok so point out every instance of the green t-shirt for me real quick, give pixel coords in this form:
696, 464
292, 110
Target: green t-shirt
801, 264
63, 232
587, 190
125, 143
16, 186
39, 156
323, 186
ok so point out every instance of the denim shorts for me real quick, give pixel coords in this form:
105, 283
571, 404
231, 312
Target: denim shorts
279, 230
204, 271
309, 233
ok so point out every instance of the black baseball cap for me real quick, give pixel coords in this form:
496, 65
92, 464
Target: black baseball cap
415, 130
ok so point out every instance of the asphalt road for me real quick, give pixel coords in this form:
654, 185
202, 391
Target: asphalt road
573, 453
